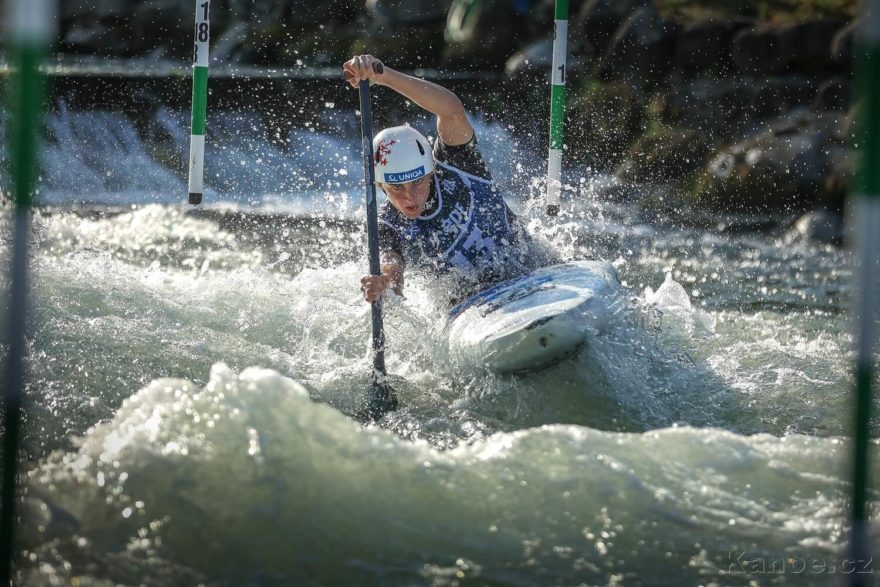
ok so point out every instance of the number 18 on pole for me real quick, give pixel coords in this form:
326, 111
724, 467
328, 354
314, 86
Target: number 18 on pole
199, 102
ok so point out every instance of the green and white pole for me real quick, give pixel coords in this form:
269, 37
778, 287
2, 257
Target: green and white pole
867, 199
557, 107
30, 26
199, 102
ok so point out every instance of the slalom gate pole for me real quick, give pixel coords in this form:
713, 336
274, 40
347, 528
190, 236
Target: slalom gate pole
199, 102
557, 107
867, 199
30, 27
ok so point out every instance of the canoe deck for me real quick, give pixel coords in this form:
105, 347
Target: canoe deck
533, 321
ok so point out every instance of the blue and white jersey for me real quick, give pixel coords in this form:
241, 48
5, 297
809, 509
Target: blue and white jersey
466, 228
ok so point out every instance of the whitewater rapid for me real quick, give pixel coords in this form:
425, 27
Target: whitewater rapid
192, 375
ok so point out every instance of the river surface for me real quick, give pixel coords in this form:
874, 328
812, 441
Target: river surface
193, 375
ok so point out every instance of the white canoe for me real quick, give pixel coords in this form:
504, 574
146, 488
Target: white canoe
533, 321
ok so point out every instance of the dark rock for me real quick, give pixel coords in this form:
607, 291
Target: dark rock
480, 34
703, 47
776, 96
269, 12
155, 25
843, 42
101, 28
89, 35
411, 46
344, 11
803, 47
642, 48
326, 46
597, 20
835, 126
833, 94
235, 10
103, 9
601, 121
840, 185
719, 108
820, 226
837, 184
664, 155
806, 46
408, 12
754, 51
782, 169
534, 61
264, 44
842, 162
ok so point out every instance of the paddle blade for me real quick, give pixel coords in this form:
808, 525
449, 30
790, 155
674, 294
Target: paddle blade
379, 402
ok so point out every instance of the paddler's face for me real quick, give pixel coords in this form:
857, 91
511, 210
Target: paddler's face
410, 197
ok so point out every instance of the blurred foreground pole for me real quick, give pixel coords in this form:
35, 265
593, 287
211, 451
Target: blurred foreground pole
557, 107
199, 102
867, 199
30, 25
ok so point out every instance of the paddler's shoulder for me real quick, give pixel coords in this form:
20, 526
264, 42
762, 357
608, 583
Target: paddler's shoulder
443, 151
465, 157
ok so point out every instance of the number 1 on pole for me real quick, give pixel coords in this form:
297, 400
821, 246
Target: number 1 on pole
557, 107
199, 101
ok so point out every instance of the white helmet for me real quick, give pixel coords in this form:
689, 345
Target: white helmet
402, 154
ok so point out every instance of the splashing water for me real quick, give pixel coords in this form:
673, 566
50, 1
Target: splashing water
289, 490
191, 372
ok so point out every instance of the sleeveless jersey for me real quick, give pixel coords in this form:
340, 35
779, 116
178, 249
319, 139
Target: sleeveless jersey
469, 228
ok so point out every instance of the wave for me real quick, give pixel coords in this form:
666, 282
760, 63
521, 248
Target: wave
248, 480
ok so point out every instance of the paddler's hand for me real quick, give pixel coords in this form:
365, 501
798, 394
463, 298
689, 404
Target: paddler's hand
374, 286
362, 67
391, 276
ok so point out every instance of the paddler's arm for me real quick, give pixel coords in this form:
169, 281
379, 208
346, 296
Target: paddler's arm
374, 286
453, 126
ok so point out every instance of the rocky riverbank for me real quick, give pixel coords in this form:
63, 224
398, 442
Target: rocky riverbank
724, 112
742, 107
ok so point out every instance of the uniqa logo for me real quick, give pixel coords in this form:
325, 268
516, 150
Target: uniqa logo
405, 176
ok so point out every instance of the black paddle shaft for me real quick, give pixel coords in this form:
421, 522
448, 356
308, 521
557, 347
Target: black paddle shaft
372, 223
382, 398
